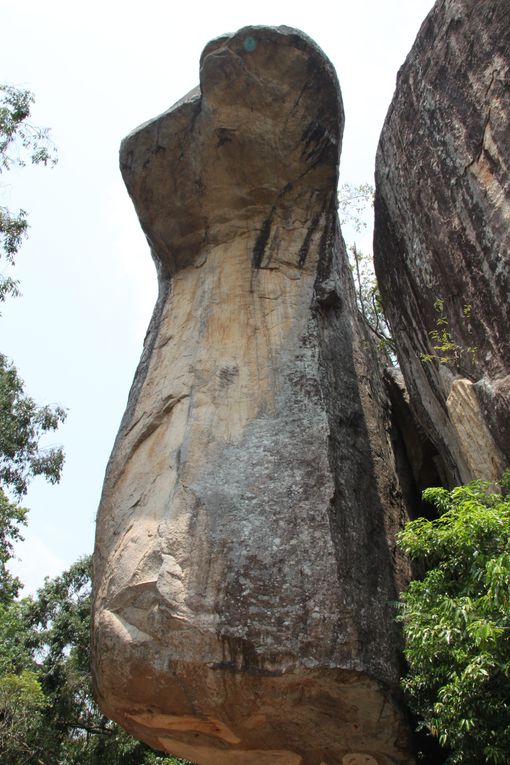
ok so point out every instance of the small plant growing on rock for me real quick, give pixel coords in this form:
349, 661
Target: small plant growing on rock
446, 349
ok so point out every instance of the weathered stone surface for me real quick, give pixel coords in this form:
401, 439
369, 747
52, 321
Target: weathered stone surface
245, 556
443, 230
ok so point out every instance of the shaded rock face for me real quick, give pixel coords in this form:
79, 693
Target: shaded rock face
245, 556
442, 231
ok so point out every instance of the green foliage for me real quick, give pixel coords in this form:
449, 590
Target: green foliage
17, 642
20, 142
13, 229
505, 482
48, 639
22, 703
457, 623
22, 423
11, 517
446, 350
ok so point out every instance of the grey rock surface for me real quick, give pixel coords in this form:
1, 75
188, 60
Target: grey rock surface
442, 232
245, 558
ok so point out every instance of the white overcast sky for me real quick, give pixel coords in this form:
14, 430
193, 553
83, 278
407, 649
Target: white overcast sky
98, 69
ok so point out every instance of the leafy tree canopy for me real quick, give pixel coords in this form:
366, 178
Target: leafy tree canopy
457, 622
22, 425
20, 142
22, 702
22, 422
46, 703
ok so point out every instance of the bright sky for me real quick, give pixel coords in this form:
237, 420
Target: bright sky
98, 69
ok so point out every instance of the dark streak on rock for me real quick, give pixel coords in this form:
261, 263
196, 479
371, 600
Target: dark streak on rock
326, 244
305, 247
225, 135
315, 140
126, 162
240, 655
262, 240
227, 375
231, 666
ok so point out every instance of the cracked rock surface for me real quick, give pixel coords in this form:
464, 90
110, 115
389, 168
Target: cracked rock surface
442, 231
245, 556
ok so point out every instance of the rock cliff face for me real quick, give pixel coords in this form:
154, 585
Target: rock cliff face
245, 558
442, 232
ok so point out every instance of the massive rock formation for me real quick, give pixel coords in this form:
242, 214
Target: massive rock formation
442, 232
245, 559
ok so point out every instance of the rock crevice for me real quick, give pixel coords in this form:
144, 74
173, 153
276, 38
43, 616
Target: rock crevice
442, 241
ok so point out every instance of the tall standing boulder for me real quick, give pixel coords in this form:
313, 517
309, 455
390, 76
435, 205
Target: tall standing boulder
442, 232
245, 561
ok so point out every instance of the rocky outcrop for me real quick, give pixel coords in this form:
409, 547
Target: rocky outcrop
245, 556
442, 233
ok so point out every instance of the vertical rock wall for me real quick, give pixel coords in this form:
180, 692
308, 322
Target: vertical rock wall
245, 556
442, 232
